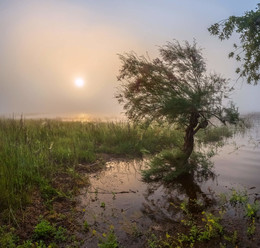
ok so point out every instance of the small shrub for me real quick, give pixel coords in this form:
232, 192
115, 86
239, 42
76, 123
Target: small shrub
44, 230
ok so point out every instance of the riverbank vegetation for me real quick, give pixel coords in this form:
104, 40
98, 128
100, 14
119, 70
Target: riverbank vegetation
43, 163
214, 227
33, 151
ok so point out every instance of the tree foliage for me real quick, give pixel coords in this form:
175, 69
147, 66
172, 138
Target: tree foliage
174, 87
248, 52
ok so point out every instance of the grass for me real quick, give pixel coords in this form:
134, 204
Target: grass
33, 151
44, 230
108, 241
45, 235
36, 154
210, 228
214, 134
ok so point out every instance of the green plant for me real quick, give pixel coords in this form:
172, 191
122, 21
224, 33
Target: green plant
209, 230
7, 237
153, 241
252, 209
60, 234
251, 228
238, 197
27, 244
41, 149
39, 244
135, 231
197, 232
212, 227
114, 195
86, 226
103, 205
214, 134
247, 51
44, 230
184, 207
109, 241
233, 239
47, 191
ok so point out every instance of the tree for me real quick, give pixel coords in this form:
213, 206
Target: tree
248, 28
174, 88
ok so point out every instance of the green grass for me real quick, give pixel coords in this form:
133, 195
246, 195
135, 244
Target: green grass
32, 151
110, 241
214, 134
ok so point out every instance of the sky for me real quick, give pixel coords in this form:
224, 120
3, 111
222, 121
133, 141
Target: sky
46, 44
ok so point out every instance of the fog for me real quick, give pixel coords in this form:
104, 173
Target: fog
46, 44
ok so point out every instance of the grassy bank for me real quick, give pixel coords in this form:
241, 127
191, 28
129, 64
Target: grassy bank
32, 151
43, 163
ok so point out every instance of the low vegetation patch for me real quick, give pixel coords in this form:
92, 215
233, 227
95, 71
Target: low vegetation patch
209, 228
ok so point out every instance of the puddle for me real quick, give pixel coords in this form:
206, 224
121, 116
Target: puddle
119, 199
115, 200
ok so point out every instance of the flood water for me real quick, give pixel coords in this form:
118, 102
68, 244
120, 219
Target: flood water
237, 163
118, 198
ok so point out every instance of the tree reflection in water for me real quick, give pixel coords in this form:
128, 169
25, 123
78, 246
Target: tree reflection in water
163, 200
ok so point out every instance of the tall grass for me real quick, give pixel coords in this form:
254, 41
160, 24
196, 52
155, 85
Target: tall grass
215, 134
32, 151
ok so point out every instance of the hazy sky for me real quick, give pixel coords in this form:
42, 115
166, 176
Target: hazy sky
46, 44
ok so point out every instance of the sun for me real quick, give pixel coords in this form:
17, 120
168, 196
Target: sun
79, 82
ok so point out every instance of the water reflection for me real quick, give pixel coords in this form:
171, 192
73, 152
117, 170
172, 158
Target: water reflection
162, 201
118, 196
238, 161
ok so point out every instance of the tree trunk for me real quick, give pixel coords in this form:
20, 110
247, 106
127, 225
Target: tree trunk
189, 135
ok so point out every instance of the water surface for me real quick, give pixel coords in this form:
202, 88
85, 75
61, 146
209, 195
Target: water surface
119, 199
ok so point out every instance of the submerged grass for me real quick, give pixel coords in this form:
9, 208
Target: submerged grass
32, 151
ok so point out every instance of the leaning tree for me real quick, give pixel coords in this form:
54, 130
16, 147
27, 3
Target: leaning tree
174, 88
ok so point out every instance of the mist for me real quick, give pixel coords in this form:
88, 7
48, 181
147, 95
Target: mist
45, 45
